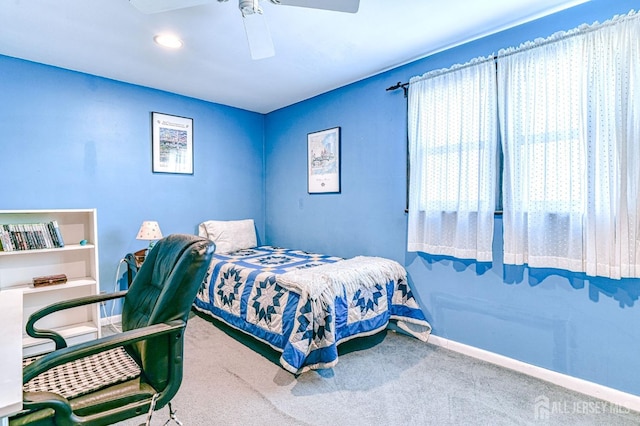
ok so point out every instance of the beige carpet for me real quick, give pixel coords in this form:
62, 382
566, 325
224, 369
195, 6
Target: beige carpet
389, 379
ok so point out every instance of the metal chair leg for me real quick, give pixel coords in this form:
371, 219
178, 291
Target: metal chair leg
172, 416
152, 407
172, 413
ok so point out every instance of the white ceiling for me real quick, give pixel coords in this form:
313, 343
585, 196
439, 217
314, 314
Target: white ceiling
316, 50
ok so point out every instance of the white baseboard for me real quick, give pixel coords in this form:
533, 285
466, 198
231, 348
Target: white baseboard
613, 396
114, 319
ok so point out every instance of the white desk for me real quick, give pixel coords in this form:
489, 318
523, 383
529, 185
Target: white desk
10, 353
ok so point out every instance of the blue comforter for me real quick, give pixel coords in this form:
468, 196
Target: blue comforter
247, 290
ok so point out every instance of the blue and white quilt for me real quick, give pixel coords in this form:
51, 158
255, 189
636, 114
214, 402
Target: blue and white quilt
305, 304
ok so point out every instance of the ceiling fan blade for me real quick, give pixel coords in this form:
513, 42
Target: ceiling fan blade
350, 6
258, 35
157, 6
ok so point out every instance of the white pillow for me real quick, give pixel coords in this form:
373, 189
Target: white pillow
229, 235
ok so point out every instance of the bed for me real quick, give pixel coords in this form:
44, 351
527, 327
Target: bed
303, 304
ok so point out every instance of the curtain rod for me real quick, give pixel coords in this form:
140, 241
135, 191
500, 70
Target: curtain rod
405, 86
398, 85
560, 35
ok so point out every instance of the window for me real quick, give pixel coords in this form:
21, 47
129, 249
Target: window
453, 151
571, 167
569, 119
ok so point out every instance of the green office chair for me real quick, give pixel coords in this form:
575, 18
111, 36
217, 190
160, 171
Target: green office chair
130, 373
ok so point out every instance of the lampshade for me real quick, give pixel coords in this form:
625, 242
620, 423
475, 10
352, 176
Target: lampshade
150, 230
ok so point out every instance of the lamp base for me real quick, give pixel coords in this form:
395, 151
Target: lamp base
140, 255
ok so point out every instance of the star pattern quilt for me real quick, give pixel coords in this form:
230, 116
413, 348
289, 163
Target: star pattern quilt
305, 304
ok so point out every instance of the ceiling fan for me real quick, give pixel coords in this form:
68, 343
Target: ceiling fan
260, 44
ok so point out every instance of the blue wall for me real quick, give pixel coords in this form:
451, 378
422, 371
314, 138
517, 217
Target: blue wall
71, 140
566, 322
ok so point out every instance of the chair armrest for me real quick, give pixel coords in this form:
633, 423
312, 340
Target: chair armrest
42, 400
85, 349
59, 306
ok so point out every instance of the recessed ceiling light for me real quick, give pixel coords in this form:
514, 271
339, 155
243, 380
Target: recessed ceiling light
168, 40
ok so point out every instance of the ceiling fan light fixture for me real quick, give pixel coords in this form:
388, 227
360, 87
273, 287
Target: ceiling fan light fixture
255, 25
168, 40
249, 7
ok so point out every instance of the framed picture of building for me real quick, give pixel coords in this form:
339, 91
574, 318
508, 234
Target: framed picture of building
172, 143
323, 161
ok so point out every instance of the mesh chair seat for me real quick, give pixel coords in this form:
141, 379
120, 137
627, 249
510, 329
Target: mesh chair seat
85, 375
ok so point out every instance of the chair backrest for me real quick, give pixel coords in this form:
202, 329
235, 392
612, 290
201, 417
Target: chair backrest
163, 290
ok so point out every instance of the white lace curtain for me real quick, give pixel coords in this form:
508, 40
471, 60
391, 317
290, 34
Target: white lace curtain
452, 119
570, 125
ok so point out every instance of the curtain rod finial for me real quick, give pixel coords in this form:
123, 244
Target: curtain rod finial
399, 85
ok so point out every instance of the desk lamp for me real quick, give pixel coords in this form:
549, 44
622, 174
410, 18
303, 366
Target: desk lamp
149, 231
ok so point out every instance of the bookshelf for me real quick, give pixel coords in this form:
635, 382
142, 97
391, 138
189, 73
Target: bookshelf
79, 262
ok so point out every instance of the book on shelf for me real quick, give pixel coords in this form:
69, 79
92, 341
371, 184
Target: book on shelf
55, 232
30, 236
